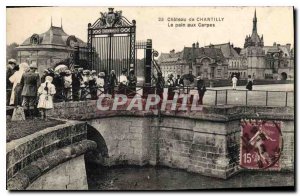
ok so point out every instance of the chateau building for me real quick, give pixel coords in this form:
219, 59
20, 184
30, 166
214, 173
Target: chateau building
209, 62
236, 64
49, 48
223, 60
267, 62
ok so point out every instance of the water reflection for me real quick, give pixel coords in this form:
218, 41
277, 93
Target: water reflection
163, 178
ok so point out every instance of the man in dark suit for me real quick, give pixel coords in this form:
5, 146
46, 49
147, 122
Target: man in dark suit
201, 89
178, 81
30, 83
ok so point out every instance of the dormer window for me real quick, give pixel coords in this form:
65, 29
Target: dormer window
72, 41
34, 40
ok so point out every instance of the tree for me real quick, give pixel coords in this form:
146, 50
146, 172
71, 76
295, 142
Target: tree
11, 52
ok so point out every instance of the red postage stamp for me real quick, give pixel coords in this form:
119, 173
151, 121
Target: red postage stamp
261, 144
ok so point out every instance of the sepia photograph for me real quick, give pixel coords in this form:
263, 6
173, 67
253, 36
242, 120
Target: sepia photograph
113, 98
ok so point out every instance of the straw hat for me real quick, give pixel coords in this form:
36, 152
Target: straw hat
68, 72
101, 74
12, 61
86, 71
33, 66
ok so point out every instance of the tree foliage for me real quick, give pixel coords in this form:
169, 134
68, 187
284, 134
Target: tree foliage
11, 52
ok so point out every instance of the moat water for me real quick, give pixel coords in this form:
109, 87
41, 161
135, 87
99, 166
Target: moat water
164, 178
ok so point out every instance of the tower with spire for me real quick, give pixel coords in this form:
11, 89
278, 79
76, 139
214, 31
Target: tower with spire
254, 52
254, 39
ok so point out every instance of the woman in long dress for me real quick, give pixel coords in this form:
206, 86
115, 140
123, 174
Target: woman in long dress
16, 98
249, 83
100, 84
46, 92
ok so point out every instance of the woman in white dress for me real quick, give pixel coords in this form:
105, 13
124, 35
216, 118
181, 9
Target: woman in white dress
68, 85
85, 91
123, 82
15, 98
46, 92
100, 81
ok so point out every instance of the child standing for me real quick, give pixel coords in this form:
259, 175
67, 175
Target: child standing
46, 92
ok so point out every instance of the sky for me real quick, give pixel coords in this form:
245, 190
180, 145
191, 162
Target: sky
275, 23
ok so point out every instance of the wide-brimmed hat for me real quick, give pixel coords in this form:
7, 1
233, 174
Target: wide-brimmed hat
101, 74
93, 72
80, 69
24, 66
12, 61
33, 66
86, 71
170, 75
68, 72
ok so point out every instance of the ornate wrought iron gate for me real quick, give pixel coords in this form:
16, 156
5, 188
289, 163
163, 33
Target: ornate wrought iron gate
112, 40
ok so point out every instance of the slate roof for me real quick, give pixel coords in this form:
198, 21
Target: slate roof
186, 54
170, 57
54, 36
214, 53
227, 50
277, 48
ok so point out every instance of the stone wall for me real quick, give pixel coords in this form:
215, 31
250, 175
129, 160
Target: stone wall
23, 151
208, 148
125, 139
28, 158
70, 175
203, 147
205, 142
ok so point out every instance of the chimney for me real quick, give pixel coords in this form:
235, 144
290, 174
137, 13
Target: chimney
274, 44
197, 45
288, 46
193, 45
172, 51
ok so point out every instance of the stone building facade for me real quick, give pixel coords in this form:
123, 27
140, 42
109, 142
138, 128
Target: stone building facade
209, 62
237, 64
48, 48
267, 62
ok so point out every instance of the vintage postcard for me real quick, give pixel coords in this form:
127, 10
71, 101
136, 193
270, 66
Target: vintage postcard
150, 98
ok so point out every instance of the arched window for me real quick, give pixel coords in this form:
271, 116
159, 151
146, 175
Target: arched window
35, 39
72, 41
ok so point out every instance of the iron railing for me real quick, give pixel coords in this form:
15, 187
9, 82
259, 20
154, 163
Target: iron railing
212, 97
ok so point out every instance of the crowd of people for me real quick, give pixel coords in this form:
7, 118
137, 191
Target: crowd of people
179, 83
26, 88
